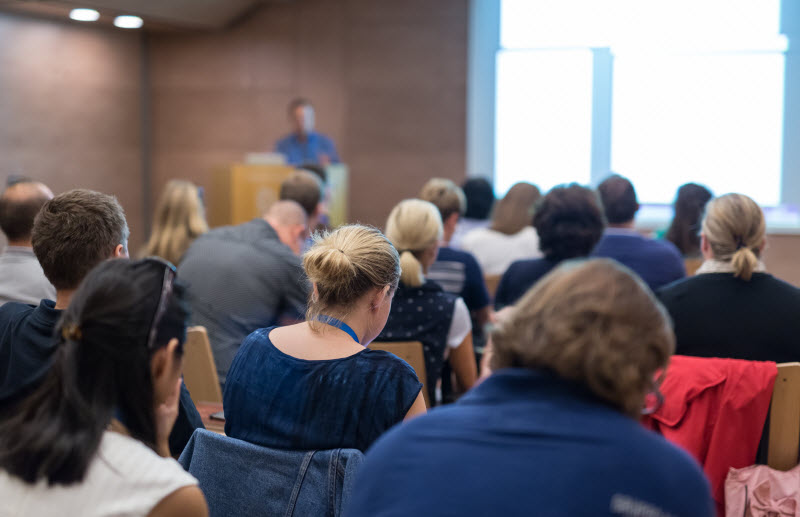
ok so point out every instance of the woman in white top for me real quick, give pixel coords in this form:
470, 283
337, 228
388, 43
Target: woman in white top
511, 236
92, 440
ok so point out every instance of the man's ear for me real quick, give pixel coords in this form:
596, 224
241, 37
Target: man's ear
121, 251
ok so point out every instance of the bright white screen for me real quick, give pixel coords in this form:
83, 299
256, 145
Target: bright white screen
715, 120
544, 116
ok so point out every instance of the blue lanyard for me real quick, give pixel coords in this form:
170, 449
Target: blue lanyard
333, 322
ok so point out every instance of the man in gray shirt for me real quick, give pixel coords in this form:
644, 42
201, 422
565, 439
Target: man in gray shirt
21, 277
245, 277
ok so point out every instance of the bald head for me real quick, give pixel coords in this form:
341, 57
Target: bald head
290, 222
19, 204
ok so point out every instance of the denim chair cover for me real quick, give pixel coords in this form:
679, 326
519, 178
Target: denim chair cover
243, 479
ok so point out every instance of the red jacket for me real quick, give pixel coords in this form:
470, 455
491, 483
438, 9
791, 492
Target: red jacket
715, 409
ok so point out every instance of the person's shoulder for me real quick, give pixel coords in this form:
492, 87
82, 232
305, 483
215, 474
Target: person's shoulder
776, 285
449, 254
15, 311
124, 451
666, 459
387, 361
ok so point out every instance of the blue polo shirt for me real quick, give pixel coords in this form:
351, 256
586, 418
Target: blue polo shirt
658, 263
527, 443
457, 272
299, 152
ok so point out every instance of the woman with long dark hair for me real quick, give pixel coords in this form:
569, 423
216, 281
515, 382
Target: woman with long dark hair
93, 438
684, 231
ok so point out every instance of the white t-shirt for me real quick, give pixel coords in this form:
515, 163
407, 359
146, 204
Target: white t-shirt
495, 251
125, 479
460, 325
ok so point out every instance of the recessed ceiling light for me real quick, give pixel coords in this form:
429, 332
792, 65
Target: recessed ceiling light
128, 22
84, 15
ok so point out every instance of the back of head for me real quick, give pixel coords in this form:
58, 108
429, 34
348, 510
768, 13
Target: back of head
684, 231
179, 220
515, 211
735, 229
304, 188
101, 370
569, 222
413, 227
316, 169
344, 265
619, 199
19, 204
74, 232
480, 198
592, 322
445, 195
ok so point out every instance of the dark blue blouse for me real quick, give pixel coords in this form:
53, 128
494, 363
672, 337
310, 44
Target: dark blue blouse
279, 401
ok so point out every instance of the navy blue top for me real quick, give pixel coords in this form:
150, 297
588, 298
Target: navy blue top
457, 272
27, 347
518, 278
657, 262
540, 446
279, 401
299, 152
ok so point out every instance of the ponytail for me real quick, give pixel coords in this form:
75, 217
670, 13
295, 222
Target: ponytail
411, 267
744, 262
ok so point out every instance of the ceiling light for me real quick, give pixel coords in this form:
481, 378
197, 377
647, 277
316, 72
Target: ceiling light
128, 22
84, 15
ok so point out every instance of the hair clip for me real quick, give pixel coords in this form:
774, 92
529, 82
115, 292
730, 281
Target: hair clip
71, 332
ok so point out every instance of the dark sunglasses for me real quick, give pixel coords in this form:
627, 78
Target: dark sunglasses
166, 289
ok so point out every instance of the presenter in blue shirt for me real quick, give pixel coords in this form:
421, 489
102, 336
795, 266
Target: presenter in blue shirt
304, 145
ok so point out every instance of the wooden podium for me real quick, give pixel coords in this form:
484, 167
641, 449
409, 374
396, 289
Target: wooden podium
241, 192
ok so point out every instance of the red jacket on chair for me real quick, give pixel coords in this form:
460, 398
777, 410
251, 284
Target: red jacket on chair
715, 409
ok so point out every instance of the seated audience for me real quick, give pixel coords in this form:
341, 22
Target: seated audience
732, 307
657, 262
569, 222
554, 430
92, 439
510, 236
480, 200
67, 252
307, 189
179, 219
422, 310
21, 277
684, 231
456, 271
316, 385
246, 277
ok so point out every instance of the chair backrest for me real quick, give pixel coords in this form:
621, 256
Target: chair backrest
492, 281
410, 352
199, 370
692, 265
241, 478
784, 418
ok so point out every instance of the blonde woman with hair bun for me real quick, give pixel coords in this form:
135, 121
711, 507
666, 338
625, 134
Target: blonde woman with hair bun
316, 385
178, 220
732, 307
422, 310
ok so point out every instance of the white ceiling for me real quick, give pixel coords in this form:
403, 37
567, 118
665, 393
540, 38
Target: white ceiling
187, 14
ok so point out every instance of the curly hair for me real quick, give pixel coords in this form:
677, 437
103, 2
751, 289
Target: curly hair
593, 322
569, 221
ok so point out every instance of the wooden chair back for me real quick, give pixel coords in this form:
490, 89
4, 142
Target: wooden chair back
692, 265
410, 352
784, 418
199, 370
492, 281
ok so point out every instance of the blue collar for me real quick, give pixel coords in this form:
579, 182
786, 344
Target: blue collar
333, 322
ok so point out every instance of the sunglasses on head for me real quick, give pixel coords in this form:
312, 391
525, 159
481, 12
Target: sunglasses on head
166, 289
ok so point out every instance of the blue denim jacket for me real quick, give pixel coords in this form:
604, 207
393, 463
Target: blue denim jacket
239, 478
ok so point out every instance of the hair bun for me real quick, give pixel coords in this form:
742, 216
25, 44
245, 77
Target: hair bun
329, 265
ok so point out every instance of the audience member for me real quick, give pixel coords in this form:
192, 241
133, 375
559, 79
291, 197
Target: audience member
554, 430
308, 191
456, 271
21, 276
422, 310
657, 262
73, 232
732, 307
315, 385
684, 231
480, 200
88, 440
246, 277
510, 236
304, 145
179, 219
569, 222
